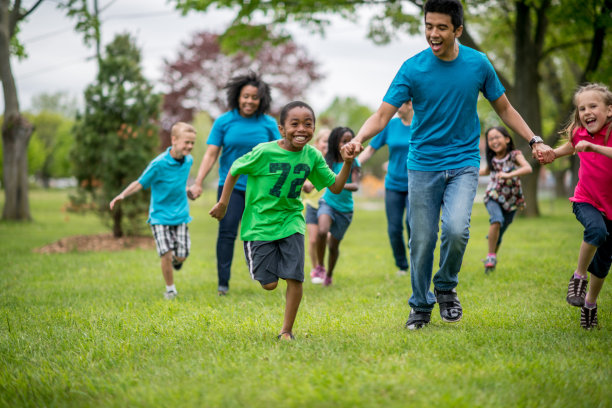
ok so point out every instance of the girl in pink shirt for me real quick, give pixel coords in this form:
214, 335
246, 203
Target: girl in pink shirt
590, 129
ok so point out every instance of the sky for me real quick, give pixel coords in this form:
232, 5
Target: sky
59, 61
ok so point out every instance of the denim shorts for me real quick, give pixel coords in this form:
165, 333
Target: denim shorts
340, 220
597, 232
269, 261
311, 215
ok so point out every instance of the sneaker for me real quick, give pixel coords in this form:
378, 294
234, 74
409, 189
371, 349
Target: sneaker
317, 275
222, 292
450, 307
417, 320
170, 295
327, 281
176, 265
489, 263
576, 291
588, 317
402, 272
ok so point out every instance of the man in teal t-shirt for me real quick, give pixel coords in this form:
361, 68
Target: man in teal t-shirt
443, 82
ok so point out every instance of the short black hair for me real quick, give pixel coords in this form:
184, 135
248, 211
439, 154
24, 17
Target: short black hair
490, 154
333, 152
291, 105
452, 8
234, 87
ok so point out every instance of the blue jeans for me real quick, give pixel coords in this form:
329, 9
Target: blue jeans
396, 208
452, 193
498, 214
228, 231
597, 232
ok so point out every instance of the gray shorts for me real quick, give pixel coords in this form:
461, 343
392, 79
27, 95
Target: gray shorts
172, 238
311, 215
340, 220
270, 260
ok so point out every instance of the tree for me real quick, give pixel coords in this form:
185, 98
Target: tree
555, 45
58, 102
195, 80
117, 135
16, 129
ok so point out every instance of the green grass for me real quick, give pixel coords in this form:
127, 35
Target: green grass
92, 329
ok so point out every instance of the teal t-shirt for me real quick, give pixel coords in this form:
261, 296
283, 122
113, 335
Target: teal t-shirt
273, 208
167, 178
445, 126
396, 135
237, 135
342, 201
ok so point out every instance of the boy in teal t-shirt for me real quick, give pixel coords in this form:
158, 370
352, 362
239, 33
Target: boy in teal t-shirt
273, 225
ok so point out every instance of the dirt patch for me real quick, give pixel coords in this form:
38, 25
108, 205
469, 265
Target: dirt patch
100, 242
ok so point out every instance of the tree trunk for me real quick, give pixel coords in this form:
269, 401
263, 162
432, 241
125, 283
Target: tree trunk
16, 132
117, 215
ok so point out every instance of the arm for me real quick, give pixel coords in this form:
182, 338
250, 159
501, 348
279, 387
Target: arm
584, 146
374, 125
208, 160
564, 150
356, 176
307, 187
514, 121
129, 190
348, 152
366, 154
218, 211
484, 171
524, 168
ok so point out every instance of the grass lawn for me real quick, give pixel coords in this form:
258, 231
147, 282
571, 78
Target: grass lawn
93, 329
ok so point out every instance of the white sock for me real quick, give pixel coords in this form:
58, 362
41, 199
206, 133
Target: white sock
171, 288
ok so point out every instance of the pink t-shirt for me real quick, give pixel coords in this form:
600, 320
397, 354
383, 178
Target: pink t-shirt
595, 173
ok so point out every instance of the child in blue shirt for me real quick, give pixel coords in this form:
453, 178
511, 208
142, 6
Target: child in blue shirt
335, 211
167, 176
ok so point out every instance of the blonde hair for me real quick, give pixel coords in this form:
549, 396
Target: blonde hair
321, 134
179, 127
574, 121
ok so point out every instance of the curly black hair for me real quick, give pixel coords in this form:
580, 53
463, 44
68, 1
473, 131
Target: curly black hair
234, 87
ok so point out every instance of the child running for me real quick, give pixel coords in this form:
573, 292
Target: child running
589, 136
336, 208
504, 194
167, 176
273, 225
310, 198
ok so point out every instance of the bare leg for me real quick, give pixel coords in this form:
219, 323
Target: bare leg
166, 266
313, 232
493, 237
324, 226
587, 252
334, 253
594, 289
293, 299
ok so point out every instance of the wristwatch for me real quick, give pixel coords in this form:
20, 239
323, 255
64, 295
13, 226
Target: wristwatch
534, 140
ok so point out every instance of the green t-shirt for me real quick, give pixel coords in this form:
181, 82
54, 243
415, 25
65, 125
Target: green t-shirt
273, 209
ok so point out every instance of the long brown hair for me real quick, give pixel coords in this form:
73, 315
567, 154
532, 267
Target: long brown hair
574, 122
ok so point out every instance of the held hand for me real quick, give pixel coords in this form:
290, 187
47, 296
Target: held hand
195, 190
350, 150
584, 146
543, 153
218, 211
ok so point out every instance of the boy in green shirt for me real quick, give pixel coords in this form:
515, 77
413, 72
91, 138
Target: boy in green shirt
273, 225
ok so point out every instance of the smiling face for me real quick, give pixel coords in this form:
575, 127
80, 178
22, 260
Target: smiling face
440, 34
346, 137
497, 142
248, 100
298, 129
183, 140
592, 110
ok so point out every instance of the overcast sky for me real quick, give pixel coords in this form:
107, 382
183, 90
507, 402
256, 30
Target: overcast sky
58, 60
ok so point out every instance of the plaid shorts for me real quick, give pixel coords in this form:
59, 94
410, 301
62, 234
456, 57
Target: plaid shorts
172, 238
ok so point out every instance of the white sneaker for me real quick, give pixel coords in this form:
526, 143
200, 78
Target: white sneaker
402, 272
170, 295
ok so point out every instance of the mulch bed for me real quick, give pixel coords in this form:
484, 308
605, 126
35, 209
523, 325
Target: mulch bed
99, 242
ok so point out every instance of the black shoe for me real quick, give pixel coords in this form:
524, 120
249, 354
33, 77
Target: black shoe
588, 317
450, 307
176, 265
576, 291
417, 320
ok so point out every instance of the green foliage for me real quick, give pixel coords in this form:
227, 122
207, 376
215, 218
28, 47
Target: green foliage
116, 136
92, 329
59, 102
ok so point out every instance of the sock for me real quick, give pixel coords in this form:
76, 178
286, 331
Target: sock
578, 276
590, 305
492, 254
170, 288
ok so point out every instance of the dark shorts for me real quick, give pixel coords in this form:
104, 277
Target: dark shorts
340, 220
172, 238
269, 261
311, 215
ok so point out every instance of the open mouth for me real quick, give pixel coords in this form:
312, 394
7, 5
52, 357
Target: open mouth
436, 45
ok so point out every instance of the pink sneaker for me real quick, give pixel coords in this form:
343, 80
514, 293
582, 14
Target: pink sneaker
317, 275
327, 281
